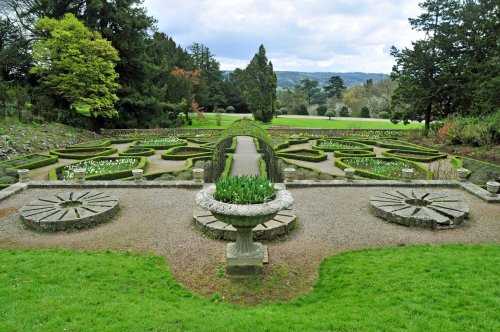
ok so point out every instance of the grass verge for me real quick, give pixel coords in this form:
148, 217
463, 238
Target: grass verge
415, 288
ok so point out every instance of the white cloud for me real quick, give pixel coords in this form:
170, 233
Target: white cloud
304, 35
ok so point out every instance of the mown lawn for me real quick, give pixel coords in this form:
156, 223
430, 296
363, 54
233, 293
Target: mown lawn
416, 288
336, 123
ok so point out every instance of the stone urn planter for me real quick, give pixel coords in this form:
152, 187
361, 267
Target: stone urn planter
244, 257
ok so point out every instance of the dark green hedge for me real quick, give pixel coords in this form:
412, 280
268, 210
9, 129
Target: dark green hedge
53, 173
353, 153
357, 146
157, 146
170, 153
70, 153
102, 143
343, 163
228, 165
425, 156
152, 176
480, 172
402, 145
137, 151
295, 154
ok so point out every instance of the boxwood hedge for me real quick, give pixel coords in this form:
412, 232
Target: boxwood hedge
101, 143
480, 172
161, 143
415, 155
353, 153
349, 145
348, 162
8, 168
172, 153
402, 145
83, 153
304, 155
136, 151
55, 173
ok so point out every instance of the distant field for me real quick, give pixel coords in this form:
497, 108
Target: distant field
336, 123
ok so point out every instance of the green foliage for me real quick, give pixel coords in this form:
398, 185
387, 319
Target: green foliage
137, 151
161, 143
185, 152
244, 190
311, 90
339, 145
335, 86
321, 110
365, 112
76, 64
260, 86
353, 153
415, 155
83, 153
330, 114
230, 109
384, 115
382, 168
304, 154
481, 172
344, 111
301, 110
15, 54
474, 131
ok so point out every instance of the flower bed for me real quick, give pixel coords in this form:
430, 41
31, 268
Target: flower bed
137, 151
415, 155
480, 171
382, 168
100, 168
91, 144
304, 154
185, 152
83, 153
339, 145
353, 153
162, 143
8, 168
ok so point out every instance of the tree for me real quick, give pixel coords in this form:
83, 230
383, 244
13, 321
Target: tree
321, 110
365, 112
76, 64
344, 111
15, 53
330, 114
310, 89
335, 86
260, 86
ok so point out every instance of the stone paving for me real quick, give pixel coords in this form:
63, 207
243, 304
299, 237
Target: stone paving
245, 158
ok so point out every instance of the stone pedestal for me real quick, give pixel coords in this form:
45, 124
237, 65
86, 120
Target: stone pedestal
251, 263
349, 174
23, 175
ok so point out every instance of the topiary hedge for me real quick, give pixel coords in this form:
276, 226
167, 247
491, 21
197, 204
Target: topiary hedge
304, 155
102, 143
415, 155
9, 168
56, 173
161, 143
228, 165
176, 153
402, 145
382, 168
82, 153
353, 153
339, 145
137, 151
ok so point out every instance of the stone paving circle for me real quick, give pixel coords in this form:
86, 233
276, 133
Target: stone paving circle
280, 225
69, 210
420, 209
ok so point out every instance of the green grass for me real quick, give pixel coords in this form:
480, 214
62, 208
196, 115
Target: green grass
416, 288
337, 123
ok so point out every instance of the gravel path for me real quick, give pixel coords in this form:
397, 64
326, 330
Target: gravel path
160, 221
245, 158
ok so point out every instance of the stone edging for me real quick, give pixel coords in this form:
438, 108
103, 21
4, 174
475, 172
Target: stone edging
280, 225
467, 186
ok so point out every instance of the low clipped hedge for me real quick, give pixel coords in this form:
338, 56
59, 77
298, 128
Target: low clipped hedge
480, 172
296, 154
318, 174
102, 143
262, 167
152, 176
79, 153
171, 154
137, 151
228, 165
9, 168
353, 146
402, 145
415, 155
153, 143
353, 153
121, 140
55, 173
291, 141
420, 171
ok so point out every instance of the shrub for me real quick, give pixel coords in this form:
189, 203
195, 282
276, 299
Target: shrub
384, 115
7, 179
301, 110
283, 111
230, 109
244, 190
321, 110
330, 114
344, 111
365, 112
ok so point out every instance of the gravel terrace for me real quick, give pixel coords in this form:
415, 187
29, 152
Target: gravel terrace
159, 221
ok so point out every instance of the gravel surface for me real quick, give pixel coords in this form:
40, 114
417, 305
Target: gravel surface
245, 158
160, 221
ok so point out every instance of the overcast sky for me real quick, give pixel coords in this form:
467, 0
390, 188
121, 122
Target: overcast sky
299, 35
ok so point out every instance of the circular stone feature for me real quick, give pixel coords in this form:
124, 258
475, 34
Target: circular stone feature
281, 224
420, 209
75, 209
